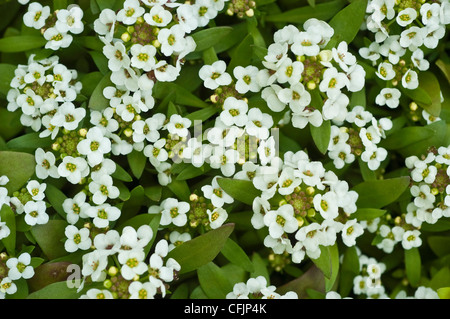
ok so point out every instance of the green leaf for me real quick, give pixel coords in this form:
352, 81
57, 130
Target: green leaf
21, 43
57, 290
241, 55
413, 266
379, 193
121, 174
213, 281
153, 192
313, 278
440, 279
192, 172
240, 190
97, 100
181, 95
322, 11
47, 274
321, 136
56, 198
366, 173
203, 114
349, 270
260, 267
347, 22
328, 263
368, 213
430, 84
180, 189
154, 225
407, 136
50, 238
132, 206
137, 161
444, 293
6, 75
7, 216
207, 38
30, 141
235, 254
18, 166
440, 245
202, 249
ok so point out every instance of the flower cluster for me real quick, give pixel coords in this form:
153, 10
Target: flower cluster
56, 27
13, 269
368, 281
257, 288
303, 206
360, 140
402, 29
311, 80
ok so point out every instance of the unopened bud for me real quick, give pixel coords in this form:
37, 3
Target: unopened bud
125, 37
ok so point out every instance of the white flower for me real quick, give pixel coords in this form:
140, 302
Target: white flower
95, 293
406, 17
412, 38
270, 95
7, 287
341, 155
29, 102
234, 112
214, 75
385, 71
203, 11
389, 97
310, 237
73, 168
172, 40
139, 290
178, 125
306, 43
281, 221
326, 205
94, 264
105, 23
423, 196
143, 56
296, 96
70, 20
423, 172
352, 229
246, 79
333, 81
186, 17
419, 61
130, 12
103, 214
289, 71
35, 213
196, 152
94, 146
36, 15
410, 80
217, 217
342, 56
335, 108
356, 78
176, 238
425, 293
132, 264
308, 115
4, 229
36, 190
411, 239
373, 156
225, 159
102, 188
117, 56
267, 150
174, 212
56, 39
216, 194
20, 267
432, 34
76, 239
430, 13
75, 207
68, 116
287, 182
158, 16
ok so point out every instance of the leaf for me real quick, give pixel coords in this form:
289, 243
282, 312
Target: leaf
430, 84
260, 267
444, 293
7, 216
21, 43
235, 254
180, 189
121, 174
242, 54
445, 68
131, 207
213, 281
6, 75
379, 193
47, 274
18, 166
56, 198
50, 238
192, 172
368, 213
347, 22
153, 192
137, 161
181, 95
407, 136
203, 114
440, 279
57, 290
413, 266
313, 278
321, 136
349, 270
30, 141
207, 38
440, 245
202, 249
240, 190
328, 263
322, 11
97, 100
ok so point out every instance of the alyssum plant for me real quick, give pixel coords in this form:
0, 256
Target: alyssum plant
225, 149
